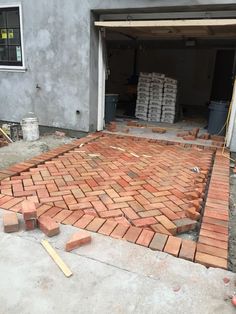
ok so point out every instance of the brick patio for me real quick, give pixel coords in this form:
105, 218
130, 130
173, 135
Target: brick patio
141, 190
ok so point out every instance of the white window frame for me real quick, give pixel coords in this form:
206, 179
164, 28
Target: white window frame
21, 68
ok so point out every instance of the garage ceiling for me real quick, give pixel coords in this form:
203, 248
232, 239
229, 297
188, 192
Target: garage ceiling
173, 29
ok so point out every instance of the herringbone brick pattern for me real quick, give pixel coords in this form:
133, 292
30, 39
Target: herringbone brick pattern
113, 180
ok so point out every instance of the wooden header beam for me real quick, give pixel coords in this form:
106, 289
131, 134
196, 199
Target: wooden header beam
167, 23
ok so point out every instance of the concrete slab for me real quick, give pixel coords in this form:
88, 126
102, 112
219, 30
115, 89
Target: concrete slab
109, 276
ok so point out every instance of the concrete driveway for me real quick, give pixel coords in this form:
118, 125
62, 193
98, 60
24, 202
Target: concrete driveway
109, 276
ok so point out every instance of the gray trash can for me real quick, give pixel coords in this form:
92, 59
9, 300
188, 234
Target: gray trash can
110, 107
217, 117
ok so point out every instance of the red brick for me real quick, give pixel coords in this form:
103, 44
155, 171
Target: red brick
28, 210
130, 213
96, 224
214, 228
145, 238
160, 229
75, 216
11, 203
168, 213
210, 261
192, 213
78, 239
214, 235
167, 224
158, 242
173, 245
5, 199
188, 249
48, 226
132, 234
213, 221
108, 227
185, 224
52, 211
213, 242
84, 221
111, 213
10, 222
119, 231
212, 250
144, 222
99, 206
30, 224
69, 199
62, 215
122, 220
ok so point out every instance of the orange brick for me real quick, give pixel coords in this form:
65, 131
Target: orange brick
78, 239
160, 229
188, 249
111, 213
62, 215
119, 231
212, 250
84, 221
132, 234
166, 223
173, 246
145, 238
185, 224
214, 235
213, 242
48, 226
144, 222
130, 213
30, 224
10, 222
158, 242
108, 227
96, 224
211, 261
28, 210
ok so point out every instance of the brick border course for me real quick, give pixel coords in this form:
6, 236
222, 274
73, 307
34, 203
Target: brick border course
211, 249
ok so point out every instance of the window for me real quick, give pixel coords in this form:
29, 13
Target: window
10, 37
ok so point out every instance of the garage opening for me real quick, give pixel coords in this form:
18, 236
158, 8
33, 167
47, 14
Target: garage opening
190, 62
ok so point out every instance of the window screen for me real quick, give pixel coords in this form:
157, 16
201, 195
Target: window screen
10, 37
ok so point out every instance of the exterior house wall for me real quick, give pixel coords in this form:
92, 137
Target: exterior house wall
60, 47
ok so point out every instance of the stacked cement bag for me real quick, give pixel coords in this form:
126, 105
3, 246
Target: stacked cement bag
156, 95
169, 100
143, 91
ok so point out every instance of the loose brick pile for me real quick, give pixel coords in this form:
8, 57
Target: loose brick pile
143, 191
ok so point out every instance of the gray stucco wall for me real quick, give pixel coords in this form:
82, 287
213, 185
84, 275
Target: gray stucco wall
61, 57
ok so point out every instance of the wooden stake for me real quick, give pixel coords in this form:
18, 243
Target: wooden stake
57, 259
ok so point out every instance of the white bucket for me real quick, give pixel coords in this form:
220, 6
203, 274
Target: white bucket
30, 128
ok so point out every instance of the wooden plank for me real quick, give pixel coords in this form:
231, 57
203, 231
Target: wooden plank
6, 136
57, 259
167, 23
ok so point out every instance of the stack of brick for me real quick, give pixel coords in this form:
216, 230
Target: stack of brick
143, 91
169, 100
29, 214
156, 95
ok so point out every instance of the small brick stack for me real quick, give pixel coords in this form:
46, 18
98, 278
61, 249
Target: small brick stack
169, 100
143, 95
29, 214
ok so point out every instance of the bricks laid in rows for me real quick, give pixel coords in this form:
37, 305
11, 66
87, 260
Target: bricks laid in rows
103, 198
